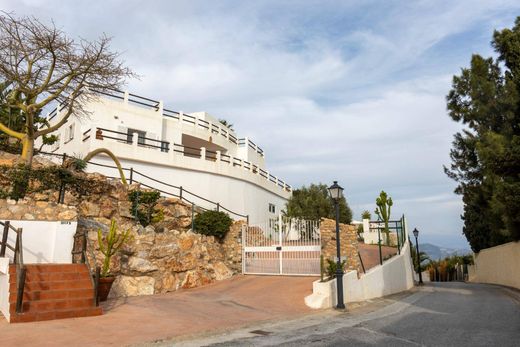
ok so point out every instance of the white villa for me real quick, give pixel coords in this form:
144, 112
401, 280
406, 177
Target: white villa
189, 155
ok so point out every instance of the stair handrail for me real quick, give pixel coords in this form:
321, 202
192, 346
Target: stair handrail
94, 276
21, 270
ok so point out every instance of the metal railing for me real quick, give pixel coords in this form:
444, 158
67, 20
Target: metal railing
165, 146
394, 226
94, 276
137, 177
21, 270
180, 116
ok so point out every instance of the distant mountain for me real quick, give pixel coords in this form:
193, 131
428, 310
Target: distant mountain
436, 252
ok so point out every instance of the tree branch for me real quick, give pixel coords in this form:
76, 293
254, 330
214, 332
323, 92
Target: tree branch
11, 132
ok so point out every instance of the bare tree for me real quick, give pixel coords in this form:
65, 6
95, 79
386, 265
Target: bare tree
46, 68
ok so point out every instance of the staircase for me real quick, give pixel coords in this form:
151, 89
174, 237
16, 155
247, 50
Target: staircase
53, 291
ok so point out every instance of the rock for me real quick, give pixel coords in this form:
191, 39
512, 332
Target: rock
5, 213
167, 283
67, 215
124, 209
40, 197
181, 211
28, 216
132, 286
91, 225
88, 209
164, 250
41, 204
185, 242
141, 265
106, 208
222, 272
195, 279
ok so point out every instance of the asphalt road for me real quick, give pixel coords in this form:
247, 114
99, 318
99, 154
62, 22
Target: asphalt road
440, 314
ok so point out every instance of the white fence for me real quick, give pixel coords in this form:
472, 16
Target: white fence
282, 246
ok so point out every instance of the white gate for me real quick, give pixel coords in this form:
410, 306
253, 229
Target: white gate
282, 246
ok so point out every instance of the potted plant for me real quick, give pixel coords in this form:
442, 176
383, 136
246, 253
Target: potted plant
109, 246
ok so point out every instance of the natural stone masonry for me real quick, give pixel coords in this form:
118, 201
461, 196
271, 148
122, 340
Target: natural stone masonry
30, 209
348, 242
162, 257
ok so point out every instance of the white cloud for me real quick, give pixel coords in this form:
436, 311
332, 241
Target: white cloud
350, 91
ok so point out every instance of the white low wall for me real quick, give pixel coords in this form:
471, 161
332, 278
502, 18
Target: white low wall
44, 242
497, 265
394, 276
4, 287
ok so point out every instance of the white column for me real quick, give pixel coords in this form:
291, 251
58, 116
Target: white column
203, 152
218, 156
161, 107
126, 96
366, 225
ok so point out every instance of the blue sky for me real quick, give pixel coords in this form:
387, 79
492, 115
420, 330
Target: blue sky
352, 91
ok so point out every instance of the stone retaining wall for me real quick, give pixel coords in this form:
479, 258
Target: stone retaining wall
348, 242
162, 257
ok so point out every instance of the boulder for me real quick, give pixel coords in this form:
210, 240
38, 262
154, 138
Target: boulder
132, 286
140, 265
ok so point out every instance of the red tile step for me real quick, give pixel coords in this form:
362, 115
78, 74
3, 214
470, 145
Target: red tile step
53, 291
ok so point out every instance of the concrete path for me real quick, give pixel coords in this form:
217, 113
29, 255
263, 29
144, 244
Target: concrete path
222, 306
438, 314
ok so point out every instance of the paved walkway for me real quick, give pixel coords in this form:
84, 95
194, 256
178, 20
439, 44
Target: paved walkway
225, 305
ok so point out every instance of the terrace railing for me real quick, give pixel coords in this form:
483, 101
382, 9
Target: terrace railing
155, 105
193, 152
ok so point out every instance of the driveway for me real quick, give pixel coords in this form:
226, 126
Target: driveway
438, 314
221, 306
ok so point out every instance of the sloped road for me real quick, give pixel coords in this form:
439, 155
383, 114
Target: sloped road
439, 314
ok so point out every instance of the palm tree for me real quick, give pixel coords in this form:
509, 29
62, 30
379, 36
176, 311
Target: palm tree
226, 124
424, 258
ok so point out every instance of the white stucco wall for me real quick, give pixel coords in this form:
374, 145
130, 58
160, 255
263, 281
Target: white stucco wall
394, 276
44, 242
237, 195
498, 265
241, 188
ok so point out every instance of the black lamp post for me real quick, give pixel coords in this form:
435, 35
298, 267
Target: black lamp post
336, 193
416, 234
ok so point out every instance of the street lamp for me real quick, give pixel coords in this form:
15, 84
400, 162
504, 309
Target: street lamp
416, 234
336, 193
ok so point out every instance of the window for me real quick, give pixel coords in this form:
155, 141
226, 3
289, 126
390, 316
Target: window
272, 208
69, 133
141, 135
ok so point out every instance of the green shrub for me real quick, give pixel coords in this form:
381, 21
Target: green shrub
332, 267
143, 206
212, 223
18, 181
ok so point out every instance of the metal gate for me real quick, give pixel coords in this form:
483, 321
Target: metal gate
282, 246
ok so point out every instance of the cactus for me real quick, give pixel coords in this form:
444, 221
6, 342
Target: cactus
111, 244
384, 205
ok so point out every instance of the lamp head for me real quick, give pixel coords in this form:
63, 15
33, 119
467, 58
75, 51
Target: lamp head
335, 191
